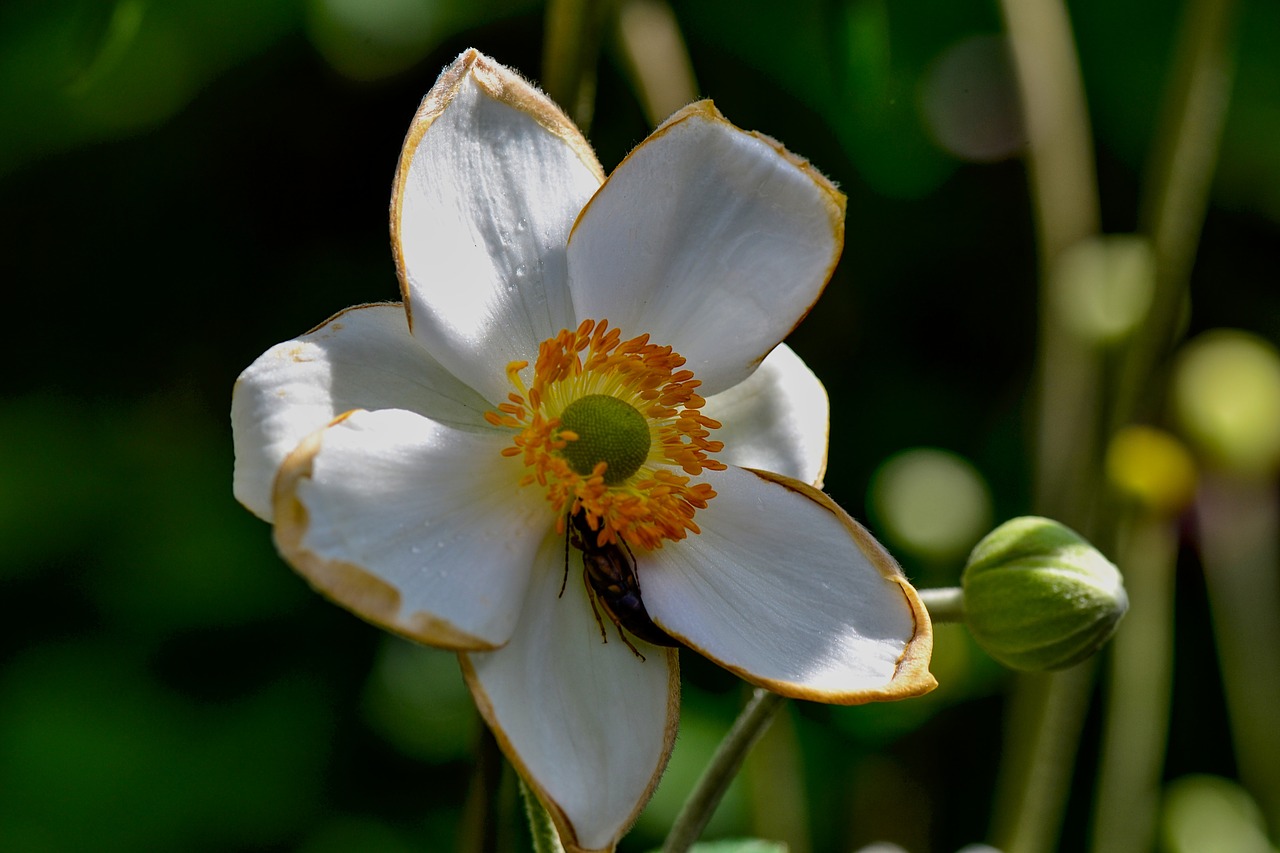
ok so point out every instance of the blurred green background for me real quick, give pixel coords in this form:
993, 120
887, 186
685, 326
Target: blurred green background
184, 184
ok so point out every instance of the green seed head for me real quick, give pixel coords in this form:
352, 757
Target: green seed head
609, 431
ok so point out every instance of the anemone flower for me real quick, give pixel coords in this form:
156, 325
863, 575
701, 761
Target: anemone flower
590, 363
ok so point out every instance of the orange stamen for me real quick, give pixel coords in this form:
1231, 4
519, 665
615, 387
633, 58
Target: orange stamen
654, 504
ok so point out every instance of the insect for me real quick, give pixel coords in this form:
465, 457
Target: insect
610, 577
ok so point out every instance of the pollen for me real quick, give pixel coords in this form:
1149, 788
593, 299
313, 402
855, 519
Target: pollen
612, 429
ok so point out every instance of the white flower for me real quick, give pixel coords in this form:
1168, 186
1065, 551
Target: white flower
423, 473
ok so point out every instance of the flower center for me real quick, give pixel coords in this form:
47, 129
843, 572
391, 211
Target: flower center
608, 430
611, 430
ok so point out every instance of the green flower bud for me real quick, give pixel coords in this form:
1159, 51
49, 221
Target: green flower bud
1037, 596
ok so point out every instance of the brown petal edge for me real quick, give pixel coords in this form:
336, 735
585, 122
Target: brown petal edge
346, 584
564, 826
503, 85
911, 676
834, 201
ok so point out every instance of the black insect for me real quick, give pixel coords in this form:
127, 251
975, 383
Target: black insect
610, 577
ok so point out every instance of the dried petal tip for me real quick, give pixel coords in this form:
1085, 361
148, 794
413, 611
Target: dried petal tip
1037, 596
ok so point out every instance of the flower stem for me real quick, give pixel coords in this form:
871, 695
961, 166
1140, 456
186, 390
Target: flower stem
569, 53
1240, 550
1047, 710
1172, 210
1136, 720
1176, 190
543, 831
1035, 778
774, 786
1063, 182
656, 58
945, 604
701, 805
478, 828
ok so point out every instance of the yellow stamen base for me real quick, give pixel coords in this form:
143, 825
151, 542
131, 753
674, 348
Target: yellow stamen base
654, 501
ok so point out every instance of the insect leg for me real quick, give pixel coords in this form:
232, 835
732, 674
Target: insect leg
622, 635
595, 604
565, 579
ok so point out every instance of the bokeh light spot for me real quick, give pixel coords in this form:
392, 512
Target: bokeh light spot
1152, 467
1211, 813
371, 39
969, 101
1103, 286
930, 502
1227, 399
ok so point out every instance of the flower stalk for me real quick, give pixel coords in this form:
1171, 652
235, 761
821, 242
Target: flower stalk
752, 722
1063, 180
1088, 402
1177, 183
1240, 551
1138, 690
945, 604
570, 51
541, 829
1045, 721
478, 826
656, 59
1048, 710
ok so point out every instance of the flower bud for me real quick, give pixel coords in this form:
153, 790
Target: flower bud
1037, 596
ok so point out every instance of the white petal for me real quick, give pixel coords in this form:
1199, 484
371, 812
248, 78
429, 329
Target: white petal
783, 588
490, 180
713, 240
587, 722
362, 358
777, 419
417, 527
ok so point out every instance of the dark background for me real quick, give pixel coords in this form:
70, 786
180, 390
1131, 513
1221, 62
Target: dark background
183, 185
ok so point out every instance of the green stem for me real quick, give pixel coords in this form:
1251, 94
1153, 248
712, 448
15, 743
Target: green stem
570, 49
1177, 184
543, 831
656, 59
478, 828
944, 605
1045, 721
1172, 211
1048, 710
1063, 181
1073, 416
701, 805
1136, 718
778, 796
1240, 552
